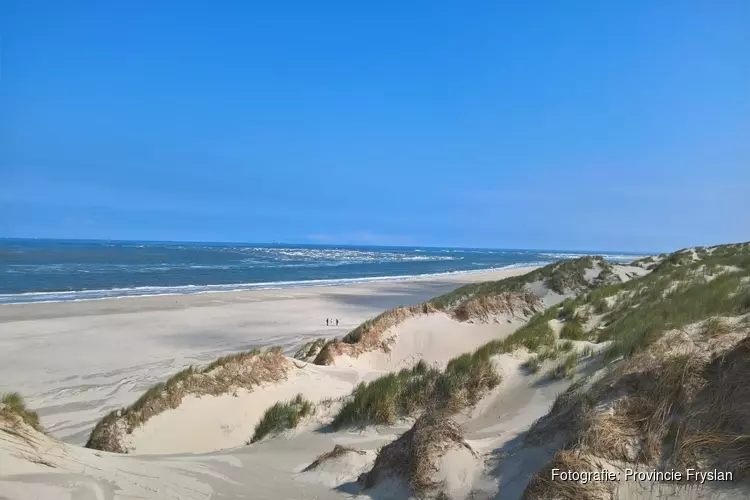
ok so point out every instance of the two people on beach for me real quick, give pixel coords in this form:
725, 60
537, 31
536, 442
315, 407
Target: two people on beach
329, 322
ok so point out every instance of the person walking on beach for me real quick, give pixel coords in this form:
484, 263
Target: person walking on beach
326, 321
337, 322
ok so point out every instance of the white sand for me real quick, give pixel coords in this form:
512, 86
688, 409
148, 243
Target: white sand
76, 361
340, 470
40, 468
212, 423
435, 338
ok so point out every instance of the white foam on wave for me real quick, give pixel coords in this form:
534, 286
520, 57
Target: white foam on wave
611, 257
344, 255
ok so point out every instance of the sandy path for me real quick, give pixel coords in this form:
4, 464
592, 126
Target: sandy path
76, 361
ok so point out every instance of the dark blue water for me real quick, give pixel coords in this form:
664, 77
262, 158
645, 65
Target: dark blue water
58, 270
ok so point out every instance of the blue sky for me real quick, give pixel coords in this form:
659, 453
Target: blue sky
577, 125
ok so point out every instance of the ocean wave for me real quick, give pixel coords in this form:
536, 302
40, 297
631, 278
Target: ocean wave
116, 293
611, 257
337, 254
271, 259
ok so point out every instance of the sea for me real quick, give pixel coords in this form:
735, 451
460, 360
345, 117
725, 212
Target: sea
35, 270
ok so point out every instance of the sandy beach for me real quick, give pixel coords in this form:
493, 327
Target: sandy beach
76, 361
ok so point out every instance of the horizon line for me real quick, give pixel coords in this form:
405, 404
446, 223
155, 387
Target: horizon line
362, 245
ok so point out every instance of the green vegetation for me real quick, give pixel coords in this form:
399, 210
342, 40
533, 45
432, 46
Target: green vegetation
680, 258
567, 310
567, 346
533, 364
713, 327
415, 456
465, 380
282, 416
663, 406
673, 410
240, 357
397, 395
12, 405
389, 397
177, 378
642, 319
355, 335
566, 367
573, 330
559, 277
588, 351
714, 286
600, 305
536, 334
550, 352
643, 310
645, 262
310, 349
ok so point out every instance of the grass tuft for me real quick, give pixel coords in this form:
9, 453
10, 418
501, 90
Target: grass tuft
415, 456
397, 395
12, 405
337, 451
310, 349
389, 397
714, 327
543, 486
282, 416
573, 330
231, 359
567, 346
533, 364
565, 368
600, 305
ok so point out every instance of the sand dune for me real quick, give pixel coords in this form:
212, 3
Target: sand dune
434, 338
208, 423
